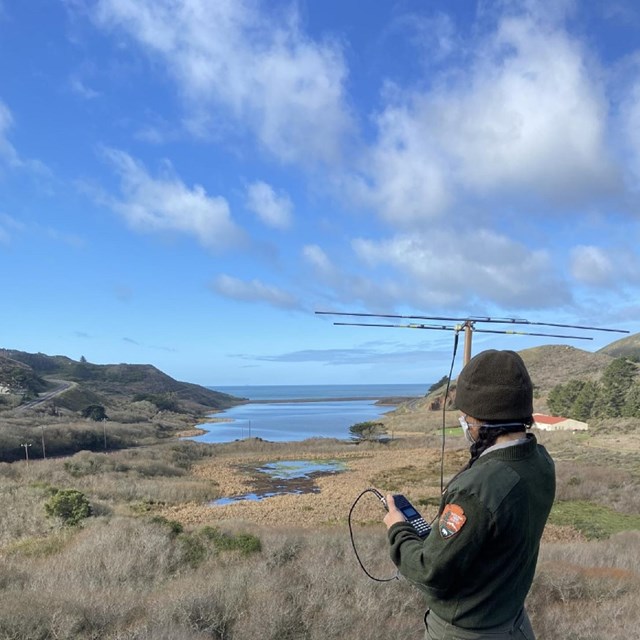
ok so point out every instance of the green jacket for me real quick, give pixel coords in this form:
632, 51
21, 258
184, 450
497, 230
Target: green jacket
478, 576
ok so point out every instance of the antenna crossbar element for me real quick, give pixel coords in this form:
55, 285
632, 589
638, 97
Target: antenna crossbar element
529, 333
472, 320
467, 325
397, 326
458, 328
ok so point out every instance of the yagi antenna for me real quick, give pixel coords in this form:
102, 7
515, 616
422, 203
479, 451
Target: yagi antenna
467, 325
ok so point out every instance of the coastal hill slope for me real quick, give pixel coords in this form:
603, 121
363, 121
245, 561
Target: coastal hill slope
31, 374
628, 347
551, 365
548, 365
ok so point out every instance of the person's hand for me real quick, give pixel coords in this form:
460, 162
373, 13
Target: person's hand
394, 514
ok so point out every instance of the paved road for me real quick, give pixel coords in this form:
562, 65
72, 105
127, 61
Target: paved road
63, 385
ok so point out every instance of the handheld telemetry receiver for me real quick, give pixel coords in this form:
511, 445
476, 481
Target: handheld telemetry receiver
422, 527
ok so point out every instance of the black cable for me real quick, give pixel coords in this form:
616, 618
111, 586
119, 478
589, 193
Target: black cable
353, 542
380, 496
444, 408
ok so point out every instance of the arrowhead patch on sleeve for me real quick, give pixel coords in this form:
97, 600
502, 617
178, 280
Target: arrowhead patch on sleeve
451, 520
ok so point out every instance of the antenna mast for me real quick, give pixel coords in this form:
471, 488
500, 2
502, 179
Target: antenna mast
468, 330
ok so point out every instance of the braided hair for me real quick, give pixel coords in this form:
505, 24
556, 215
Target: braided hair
490, 431
488, 435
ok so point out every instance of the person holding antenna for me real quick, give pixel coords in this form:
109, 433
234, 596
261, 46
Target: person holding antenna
476, 566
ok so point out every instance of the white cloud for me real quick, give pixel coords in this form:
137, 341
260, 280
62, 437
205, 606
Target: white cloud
405, 178
8, 154
528, 115
275, 210
318, 259
534, 117
630, 117
248, 61
334, 282
81, 89
450, 269
590, 265
253, 291
167, 204
434, 36
11, 158
8, 226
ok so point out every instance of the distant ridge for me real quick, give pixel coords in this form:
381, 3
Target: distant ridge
32, 373
556, 364
628, 347
550, 366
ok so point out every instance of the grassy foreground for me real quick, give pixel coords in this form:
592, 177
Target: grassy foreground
155, 561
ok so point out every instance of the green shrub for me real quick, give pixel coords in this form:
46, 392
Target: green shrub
70, 505
174, 526
194, 551
594, 521
209, 540
367, 430
95, 412
162, 401
245, 543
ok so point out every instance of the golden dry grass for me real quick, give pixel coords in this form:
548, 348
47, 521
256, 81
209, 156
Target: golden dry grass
129, 576
336, 492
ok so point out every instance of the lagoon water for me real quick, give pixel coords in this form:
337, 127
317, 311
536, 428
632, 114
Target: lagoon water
291, 421
282, 413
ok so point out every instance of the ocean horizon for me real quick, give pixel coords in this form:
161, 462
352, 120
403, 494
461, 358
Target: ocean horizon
315, 392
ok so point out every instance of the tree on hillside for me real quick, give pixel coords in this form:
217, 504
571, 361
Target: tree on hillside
631, 407
616, 381
95, 412
582, 407
437, 385
562, 397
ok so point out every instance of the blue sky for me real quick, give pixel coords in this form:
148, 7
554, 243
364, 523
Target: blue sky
184, 182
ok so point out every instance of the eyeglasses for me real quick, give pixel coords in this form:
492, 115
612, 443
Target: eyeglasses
465, 425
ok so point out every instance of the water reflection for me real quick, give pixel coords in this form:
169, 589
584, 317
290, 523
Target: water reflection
284, 477
292, 421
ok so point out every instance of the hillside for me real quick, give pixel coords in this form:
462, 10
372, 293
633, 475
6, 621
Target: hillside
628, 347
16, 376
548, 366
30, 374
552, 365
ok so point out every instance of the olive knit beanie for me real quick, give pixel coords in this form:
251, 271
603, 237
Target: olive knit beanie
495, 385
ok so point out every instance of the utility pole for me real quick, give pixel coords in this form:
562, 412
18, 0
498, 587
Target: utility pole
44, 451
26, 446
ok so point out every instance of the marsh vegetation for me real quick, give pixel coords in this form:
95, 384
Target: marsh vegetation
151, 559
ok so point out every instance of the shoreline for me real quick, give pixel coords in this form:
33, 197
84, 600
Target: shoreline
377, 399
220, 418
